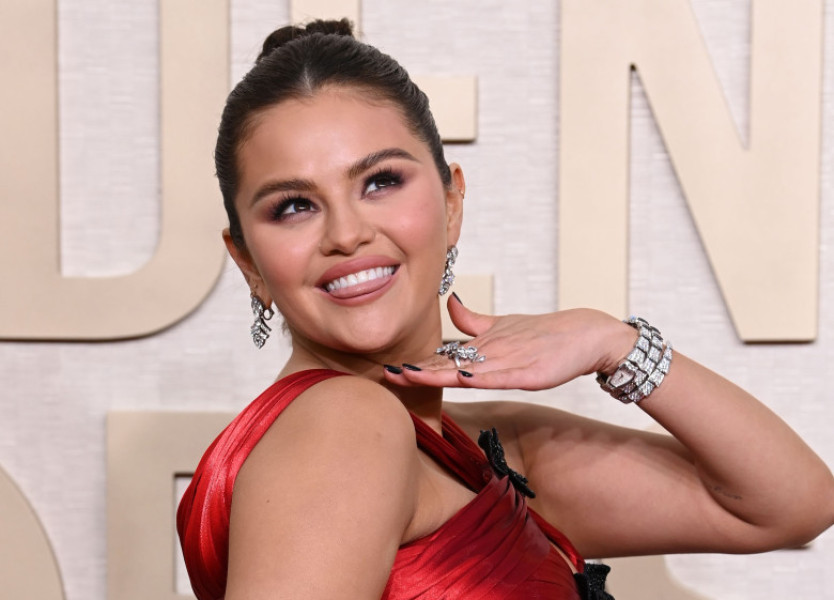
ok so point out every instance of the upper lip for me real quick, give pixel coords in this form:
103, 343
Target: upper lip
354, 266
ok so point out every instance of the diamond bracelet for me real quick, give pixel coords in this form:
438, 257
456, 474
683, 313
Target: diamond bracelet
643, 369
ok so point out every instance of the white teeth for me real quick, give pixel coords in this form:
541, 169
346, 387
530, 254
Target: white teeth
360, 277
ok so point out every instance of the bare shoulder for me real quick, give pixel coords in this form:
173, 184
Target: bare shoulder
328, 492
340, 403
337, 424
333, 421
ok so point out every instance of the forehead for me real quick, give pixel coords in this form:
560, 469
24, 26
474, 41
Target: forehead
309, 137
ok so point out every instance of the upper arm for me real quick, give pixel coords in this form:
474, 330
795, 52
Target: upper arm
321, 504
616, 491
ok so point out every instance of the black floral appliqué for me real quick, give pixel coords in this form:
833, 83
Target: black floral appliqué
591, 583
491, 445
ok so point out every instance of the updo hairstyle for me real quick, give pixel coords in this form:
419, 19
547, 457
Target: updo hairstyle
295, 63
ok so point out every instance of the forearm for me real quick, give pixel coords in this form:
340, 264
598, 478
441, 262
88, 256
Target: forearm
752, 464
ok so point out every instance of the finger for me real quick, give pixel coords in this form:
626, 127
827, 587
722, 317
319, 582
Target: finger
401, 377
394, 374
399, 381
468, 321
434, 372
447, 377
443, 358
502, 379
433, 362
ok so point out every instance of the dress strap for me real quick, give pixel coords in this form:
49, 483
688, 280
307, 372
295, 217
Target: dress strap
450, 450
458, 452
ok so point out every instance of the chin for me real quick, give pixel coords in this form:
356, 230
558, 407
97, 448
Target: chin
364, 338
366, 343
367, 331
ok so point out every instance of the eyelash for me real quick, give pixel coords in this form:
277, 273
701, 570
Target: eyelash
384, 178
391, 178
278, 211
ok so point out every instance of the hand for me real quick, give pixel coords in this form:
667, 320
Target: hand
529, 352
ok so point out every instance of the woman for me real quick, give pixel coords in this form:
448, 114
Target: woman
344, 215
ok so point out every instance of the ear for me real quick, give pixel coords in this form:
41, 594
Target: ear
244, 262
454, 203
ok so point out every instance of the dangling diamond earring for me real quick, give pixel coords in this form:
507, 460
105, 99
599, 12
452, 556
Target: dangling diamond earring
448, 276
260, 330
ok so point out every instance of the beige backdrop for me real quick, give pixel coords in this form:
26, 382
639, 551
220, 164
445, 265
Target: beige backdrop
55, 396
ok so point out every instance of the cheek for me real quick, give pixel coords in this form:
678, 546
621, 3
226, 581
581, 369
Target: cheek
280, 259
421, 223
418, 234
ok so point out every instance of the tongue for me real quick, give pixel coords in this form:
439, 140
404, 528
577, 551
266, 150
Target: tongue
362, 288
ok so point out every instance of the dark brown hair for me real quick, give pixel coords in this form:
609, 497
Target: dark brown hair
295, 63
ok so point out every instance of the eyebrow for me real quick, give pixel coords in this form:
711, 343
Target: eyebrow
354, 171
363, 164
285, 185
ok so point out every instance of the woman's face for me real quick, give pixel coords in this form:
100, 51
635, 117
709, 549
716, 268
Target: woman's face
346, 222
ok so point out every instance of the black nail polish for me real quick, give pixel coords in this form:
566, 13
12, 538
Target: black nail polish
465, 373
411, 367
457, 297
393, 369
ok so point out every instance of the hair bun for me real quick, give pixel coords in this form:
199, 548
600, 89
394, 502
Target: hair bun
284, 35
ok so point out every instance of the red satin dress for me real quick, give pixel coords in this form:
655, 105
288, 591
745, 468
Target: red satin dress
493, 548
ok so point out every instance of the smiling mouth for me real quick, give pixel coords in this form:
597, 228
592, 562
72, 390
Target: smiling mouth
360, 277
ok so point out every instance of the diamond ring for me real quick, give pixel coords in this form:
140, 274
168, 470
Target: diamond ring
454, 351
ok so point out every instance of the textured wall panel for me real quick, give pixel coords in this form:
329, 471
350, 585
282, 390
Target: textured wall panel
54, 396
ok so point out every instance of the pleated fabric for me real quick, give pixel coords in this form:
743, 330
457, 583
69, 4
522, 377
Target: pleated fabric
494, 548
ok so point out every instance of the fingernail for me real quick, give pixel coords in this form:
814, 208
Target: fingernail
393, 369
457, 297
411, 367
465, 373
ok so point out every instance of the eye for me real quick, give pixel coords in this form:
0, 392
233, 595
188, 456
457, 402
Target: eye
381, 180
291, 208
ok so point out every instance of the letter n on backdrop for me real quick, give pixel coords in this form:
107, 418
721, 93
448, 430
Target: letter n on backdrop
756, 208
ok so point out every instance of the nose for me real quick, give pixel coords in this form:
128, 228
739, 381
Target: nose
346, 229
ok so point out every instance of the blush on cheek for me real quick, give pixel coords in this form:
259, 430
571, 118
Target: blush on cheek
421, 220
281, 262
